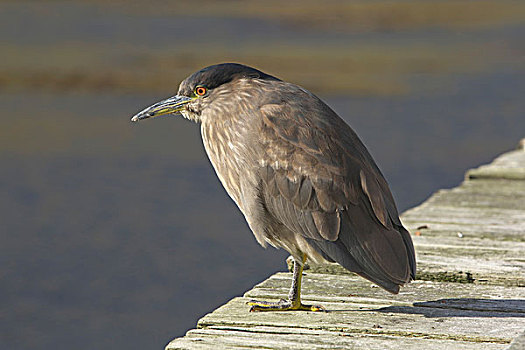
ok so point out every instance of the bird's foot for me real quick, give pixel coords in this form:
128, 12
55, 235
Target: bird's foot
282, 305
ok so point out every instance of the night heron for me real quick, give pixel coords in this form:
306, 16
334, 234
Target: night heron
299, 174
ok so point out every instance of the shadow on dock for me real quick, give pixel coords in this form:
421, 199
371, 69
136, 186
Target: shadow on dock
462, 307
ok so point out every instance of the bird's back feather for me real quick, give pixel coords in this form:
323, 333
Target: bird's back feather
320, 182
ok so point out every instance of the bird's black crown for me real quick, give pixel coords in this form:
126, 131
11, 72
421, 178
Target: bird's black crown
219, 74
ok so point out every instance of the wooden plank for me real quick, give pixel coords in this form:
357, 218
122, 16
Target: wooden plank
374, 319
352, 288
476, 221
474, 217
264, 337
468, 260
482, 194
518, 343
446, 315
509, 166
476, 229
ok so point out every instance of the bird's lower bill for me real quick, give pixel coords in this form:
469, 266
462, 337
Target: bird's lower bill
172, 105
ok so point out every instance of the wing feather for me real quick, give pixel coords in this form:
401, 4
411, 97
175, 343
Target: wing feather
373, 192
304, 194
321, 183
327, 224
288, 189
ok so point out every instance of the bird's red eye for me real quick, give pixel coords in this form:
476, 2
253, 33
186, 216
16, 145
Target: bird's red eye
200, 91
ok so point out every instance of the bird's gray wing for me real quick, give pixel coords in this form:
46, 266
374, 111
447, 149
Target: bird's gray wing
319, 181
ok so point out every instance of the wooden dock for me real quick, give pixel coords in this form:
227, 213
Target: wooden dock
470, 292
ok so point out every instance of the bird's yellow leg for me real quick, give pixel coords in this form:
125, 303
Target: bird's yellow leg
294, 297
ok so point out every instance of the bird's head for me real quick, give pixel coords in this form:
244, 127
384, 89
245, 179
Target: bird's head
200, 90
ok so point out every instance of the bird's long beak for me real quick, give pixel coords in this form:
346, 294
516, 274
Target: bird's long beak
172, 105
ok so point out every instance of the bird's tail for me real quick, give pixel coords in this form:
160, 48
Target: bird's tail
383, 256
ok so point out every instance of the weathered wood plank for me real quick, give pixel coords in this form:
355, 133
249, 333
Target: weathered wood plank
436, 311
477, 228
453, 259
264, 337
518, 343
508, 166
476, 221
442, 313
486, 194
352, 288
406, 321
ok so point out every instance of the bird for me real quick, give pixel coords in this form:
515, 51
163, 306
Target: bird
299, 174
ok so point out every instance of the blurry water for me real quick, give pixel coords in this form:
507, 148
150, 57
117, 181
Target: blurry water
426, 142
118, 235
114, 236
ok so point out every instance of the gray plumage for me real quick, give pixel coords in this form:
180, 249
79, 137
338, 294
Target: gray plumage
299, 174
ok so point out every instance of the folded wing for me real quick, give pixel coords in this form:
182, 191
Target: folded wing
318, 180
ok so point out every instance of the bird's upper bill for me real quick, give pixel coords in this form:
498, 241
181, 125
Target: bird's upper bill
172, 105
